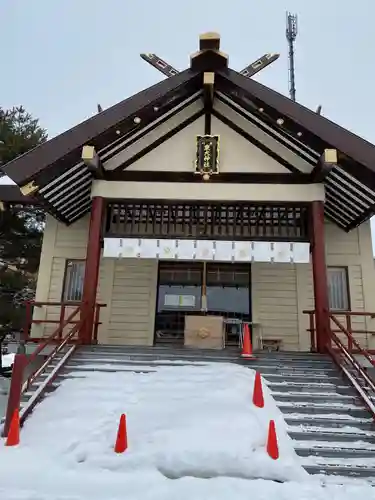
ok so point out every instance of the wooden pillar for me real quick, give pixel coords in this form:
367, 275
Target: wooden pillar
322, 322
90, 284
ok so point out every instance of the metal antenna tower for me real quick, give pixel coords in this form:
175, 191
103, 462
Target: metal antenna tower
291, 35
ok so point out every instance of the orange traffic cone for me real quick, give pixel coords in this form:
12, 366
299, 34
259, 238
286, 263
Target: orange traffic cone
122, 436
247, 348
272, 446
13, 438
258, 398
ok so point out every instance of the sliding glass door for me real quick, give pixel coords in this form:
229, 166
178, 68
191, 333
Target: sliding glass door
229, 295
215, 288
179, 294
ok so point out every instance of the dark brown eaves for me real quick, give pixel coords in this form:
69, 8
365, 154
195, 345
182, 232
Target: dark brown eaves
25, 167
328, 132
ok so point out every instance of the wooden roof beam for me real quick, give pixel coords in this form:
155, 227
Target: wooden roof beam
208, 99
67, 147
209, 41
11, 194
92, 161
29, 189
209, 57
325, 164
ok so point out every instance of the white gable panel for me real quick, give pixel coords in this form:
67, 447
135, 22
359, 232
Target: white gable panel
264, 138
239, 155
236, 153
155, 134
177, 154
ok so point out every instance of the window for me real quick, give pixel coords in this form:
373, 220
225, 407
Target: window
180, 286
338, 290
73, 281
228, 289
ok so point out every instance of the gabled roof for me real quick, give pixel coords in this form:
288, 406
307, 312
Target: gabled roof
103, 128
61, 181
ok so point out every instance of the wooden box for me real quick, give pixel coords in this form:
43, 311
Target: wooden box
204, 332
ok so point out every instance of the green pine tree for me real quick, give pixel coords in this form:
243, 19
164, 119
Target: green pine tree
20, 227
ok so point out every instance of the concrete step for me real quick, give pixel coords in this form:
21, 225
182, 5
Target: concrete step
126, 366
305, 397
316, 421
182, 349
299, 388
125, 358
109, 369
288, 371
25, 396
49, 388
320, 435
158, 352
315, 410
211, 354
341, 453
341, 470
302, 378
67, 373
264, 366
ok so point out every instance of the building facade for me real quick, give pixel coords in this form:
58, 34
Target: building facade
207, 195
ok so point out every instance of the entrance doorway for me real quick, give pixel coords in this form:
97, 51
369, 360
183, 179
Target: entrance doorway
197, 288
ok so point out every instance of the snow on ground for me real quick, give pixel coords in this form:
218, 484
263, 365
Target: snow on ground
193, 434
7, 360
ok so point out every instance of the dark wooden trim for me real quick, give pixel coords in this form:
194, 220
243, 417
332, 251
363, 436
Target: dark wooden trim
208, 98
161, 201
320, 171
256, 143
11, 194
208, 60
158, 142
317, 129
271, 133
264, 118
131, 141
297, 239
207, 122
361, 218
222, 178
67, 145
187, 220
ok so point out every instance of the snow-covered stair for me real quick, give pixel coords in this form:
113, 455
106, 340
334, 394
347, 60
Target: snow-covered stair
34, 389
332, 431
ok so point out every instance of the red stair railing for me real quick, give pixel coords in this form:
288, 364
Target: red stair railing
343, 356
64, 308
348, 315
56, 341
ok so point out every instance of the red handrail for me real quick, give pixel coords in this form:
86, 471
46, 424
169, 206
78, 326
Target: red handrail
56, 333
350, 331
64, 305
22, 361
351, 340
56, 349
366, 389
342, 356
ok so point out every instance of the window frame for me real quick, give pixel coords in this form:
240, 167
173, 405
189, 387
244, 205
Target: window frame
345, 270
65, 280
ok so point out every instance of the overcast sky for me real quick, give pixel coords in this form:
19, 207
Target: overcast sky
61, 57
